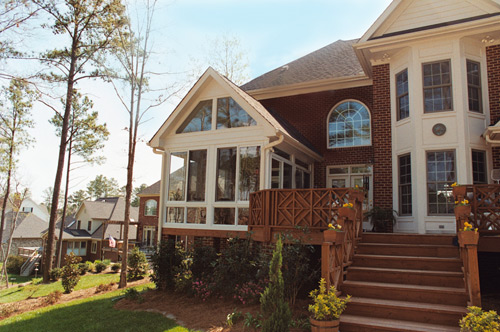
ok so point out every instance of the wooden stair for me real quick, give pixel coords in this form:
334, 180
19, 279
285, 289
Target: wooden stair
404, 282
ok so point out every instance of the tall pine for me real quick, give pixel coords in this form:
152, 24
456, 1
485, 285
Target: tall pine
275, 310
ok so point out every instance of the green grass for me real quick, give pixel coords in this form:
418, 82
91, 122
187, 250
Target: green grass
17, 279
91, 314
15, 294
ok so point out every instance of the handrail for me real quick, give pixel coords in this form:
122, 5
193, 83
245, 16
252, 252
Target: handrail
29, 262
468, 241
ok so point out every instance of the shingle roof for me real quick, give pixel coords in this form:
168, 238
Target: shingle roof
336, 60
100, 209
119, 211
30, 227
153, 189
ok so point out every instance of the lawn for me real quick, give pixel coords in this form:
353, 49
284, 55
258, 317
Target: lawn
91, 314
15, 294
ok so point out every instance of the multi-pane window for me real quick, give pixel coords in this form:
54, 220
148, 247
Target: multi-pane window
479, 167
231, 115
405, 202
437, 87
200, 118
226, 174
79, 248
177, 177
474, 86
402, 96
249, 171
349, 125
150, 207
197, 175
441, 174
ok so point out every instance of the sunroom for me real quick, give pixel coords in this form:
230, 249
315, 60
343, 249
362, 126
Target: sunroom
218, 146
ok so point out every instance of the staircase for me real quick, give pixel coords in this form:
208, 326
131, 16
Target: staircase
28, 266
404, 282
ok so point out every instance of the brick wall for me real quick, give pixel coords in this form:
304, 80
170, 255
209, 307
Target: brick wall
381, 137
147, 220
308, 114
493, 66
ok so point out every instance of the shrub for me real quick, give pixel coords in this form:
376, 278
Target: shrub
99, 266
83, 268
90, 265
277, 315
137, 265
53, 297
165, 259
326, 305
14, 264
55, 274
107, 262
115, 267
203, 262
253, 322
70, 273
248, 292
202, 289
8, 309
479, 320
133, 294
183, 279
104, 287
233, 317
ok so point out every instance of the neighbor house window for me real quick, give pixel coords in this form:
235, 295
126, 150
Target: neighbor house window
89, 225
78, 224
479, 167
474, 86
405, 201
437, 87
200, 118
79, 248
150, 207
93, 249
402, 96
441, 174
349, 125
231, 115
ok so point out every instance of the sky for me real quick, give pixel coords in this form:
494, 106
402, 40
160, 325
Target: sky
272, 32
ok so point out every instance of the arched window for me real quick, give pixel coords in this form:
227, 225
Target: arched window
150, 207
349, 125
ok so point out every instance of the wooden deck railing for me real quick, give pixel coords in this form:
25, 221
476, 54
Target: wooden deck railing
484, 200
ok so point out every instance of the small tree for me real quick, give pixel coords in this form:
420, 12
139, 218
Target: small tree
137, 265
71, 273
275, 310
165, 259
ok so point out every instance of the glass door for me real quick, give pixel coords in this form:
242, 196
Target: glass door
148, 236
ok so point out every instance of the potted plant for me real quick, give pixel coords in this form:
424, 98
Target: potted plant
326, 308
347, 211
458, 190
357, 194
468, 235
462, 209
479, 320
334, 234
382, 219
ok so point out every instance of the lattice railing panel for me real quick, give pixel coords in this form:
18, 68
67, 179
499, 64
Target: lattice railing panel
485, 202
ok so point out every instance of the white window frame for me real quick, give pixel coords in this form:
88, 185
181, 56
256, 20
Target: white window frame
328, 125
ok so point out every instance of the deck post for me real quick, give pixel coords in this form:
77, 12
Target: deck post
468, 241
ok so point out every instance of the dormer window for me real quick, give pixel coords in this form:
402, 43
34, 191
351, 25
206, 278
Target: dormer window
200, 118
231, 115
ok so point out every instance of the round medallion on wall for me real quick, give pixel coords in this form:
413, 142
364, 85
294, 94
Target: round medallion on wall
439, 129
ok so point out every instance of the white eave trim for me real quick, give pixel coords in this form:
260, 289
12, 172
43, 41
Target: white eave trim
492, 135
310, 87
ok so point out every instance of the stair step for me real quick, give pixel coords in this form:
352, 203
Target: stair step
350, 323
437, 239
408, 262
407, 311
402, 292
398, 249
405, 276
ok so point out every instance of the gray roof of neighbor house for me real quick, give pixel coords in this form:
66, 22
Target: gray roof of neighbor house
110, 208
336, 60
114, 231
30, 227
153, 189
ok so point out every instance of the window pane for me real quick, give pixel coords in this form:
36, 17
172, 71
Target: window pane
197, 173
403, 104
226, 174
197, 215
249, 171
177, 178
224, 216
231, 115
175, 215
339, 170
299, 179
349, 125
275, 174
307, 180
243, 216
200, 118
150, 207
474, 86
287, 176
479, 167
440, 175
405, 198
437, 86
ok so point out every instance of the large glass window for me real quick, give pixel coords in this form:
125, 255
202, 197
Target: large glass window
441, 174
200, 118
150, 207
79, 248
402, 96
437, 87
249, 171
405, 201
231, 115
177, 177
226, 174
349, 125
474, 86
197, 175
479, 167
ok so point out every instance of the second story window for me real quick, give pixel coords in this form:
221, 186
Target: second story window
474, 86
349, 125
402, 96
437, 87
89, 225
150, 207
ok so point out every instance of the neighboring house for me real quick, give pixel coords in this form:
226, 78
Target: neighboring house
94, 223
29, 206
147, 230
405, 111
27, 233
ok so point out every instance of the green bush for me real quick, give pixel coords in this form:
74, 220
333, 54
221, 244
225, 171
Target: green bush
478, 320
204, 259
137, 265
99, 266
55, 274
90, 265
133, 294
115, 267
70, 273
83, 268
14, 264
107, 262
53, 297
165, 259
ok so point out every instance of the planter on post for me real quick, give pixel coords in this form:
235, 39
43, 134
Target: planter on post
462, 211
356, 196
324, 326
336, 237
459, 192
347, 212
468, 238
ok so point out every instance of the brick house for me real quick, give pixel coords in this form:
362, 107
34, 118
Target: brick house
147, 229
405, 111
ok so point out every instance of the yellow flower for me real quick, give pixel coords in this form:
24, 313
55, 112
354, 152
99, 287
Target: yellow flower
330, 226
454, 184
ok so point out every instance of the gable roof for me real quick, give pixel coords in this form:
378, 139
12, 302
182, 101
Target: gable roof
152, 190
109, 209
30, 227
336, 60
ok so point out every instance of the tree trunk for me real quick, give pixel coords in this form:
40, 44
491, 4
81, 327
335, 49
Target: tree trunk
7, 189
63, 218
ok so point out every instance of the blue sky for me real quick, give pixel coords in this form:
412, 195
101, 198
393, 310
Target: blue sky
273, 32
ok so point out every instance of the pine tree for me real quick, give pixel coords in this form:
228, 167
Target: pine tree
275, 310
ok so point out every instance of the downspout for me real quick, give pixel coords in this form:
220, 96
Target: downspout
273, 144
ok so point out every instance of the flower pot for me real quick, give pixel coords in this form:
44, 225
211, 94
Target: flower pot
468, 237
459, 191
356, 196
462, 211
324, 326
347, 212
333, 236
